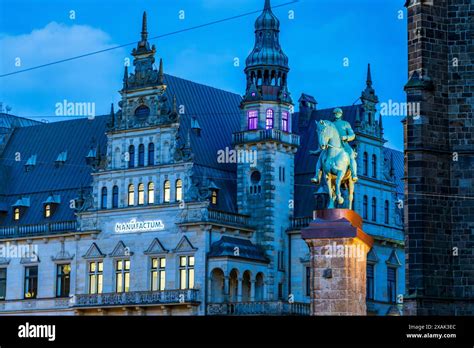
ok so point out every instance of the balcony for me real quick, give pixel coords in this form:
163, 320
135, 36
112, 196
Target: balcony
37, 229
169, 297
265, 134
233, 219
300, 222
259, 308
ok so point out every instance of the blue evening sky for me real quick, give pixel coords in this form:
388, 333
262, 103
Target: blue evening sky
317, 40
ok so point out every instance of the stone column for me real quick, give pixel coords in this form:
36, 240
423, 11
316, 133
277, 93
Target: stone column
252, 289
338, 249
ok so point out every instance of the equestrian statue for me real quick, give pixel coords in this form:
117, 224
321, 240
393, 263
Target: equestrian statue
337, 160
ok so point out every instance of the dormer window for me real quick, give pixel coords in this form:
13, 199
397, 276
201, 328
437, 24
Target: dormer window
19, 207
30, 163
62, 157
50, 204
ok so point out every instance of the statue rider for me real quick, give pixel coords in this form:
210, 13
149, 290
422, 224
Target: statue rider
347, 134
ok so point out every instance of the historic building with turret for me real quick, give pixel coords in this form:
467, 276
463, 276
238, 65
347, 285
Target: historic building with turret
138, 212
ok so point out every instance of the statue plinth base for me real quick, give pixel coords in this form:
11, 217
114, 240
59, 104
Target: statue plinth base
338, 248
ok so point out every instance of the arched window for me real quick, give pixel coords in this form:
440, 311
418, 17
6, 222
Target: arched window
252, 116
47, 210
259, 284
141, 155
166, 191
365, 212
16, 214
103, 198
117, 158
142, 111
269, 119
141, 194
386, 212
151, 154
374, 166
115, 197
131, 156
179, 190
214, 197
131, 195
285, 126
151, 193
366, 163
374, 209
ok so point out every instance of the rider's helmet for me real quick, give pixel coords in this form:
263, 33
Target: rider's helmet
337, 113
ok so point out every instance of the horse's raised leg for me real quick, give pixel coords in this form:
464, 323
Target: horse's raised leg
350, 185
340, 199
330, 191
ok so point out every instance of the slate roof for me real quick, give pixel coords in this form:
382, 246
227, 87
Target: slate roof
8, 121
246, 249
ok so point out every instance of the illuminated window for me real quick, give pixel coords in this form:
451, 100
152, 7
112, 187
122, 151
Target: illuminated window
166, 191
63, 280
141, 155
3, 283
96, 277
214, 197
252, 119
151, 154
122, 275
141, 194
284, 122
131, 156
47, 210
158, 273
186, 272
151, 193
16, 214
131, 195
103, 198
269, 119
31, 282
179, 190
115, 197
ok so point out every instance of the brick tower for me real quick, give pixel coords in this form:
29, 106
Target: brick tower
439, 159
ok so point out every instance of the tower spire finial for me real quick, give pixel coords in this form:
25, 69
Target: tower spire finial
369, 76
160, 72
144, 27
267, 5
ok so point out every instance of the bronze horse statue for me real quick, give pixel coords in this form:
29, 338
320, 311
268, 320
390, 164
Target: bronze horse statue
333, 164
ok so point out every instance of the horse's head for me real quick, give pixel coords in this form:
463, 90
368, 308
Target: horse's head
324, 134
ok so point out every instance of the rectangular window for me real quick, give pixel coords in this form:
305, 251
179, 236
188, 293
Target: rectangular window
122, 275
284, 122
63, 280
31, 282
280, 291
186, 272
96, 277
3, 283
158, 273
252, 119
308, 281
392, 284
370, 281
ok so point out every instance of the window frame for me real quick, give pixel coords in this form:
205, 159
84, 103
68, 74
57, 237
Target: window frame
151, 192
131, 195
141, 155
3, 283
167, 191
370, 282
61, 279
103, 197
252, 119
30, 281
285, 121
160, 272
131, 156
141, 194
151, 154
115, 196
269, 119
97, 275
124, 273
187, 269
392, 285
178, 193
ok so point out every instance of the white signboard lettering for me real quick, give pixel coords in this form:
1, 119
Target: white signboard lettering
139, 226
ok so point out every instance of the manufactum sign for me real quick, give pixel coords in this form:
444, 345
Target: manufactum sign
139, 226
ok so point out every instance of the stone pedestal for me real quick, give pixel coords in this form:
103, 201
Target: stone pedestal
338, 248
